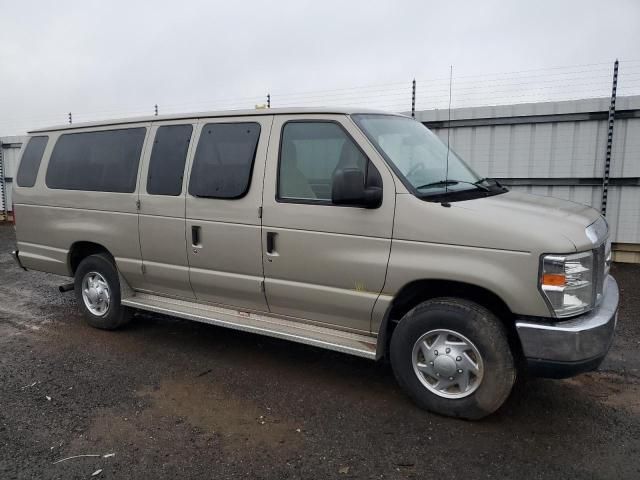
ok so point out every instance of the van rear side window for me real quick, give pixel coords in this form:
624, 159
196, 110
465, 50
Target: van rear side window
166, 167
103, 161
30, 163
224, 160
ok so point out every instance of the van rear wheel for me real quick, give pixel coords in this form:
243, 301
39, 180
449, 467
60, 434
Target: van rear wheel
452, 357
97, 289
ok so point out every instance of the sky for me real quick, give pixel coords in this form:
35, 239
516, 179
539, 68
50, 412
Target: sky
106, 59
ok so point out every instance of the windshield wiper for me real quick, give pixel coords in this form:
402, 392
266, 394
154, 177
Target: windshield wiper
490, 180
444, 183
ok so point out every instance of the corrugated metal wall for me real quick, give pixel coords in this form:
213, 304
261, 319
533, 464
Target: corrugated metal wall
555, 149
10, 147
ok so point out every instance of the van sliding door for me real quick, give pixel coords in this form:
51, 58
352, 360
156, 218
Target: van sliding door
223, 204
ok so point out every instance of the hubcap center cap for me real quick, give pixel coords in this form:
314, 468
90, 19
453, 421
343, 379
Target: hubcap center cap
444, 365
93, 295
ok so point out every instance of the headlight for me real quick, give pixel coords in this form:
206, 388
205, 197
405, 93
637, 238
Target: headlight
567, 282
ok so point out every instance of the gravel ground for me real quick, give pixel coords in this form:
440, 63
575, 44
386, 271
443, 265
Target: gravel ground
166, 398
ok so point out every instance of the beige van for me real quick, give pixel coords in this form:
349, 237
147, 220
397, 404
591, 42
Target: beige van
356, 231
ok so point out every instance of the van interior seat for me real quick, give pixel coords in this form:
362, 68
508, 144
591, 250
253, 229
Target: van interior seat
350, 157
293, 183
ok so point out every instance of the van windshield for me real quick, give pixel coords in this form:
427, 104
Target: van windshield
419, 158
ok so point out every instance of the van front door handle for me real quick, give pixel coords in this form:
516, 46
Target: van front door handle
271, 243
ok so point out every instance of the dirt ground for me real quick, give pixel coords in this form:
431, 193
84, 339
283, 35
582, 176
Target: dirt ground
167, 398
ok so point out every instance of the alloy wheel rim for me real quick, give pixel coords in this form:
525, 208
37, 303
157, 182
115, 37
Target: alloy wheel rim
96, 293
447, 363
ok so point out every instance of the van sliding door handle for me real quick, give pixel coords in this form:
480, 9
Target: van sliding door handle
271, 243
195, 236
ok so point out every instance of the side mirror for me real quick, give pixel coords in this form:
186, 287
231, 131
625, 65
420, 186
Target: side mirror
348, 188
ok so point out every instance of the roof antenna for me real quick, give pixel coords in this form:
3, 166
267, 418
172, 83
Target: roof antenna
446, 172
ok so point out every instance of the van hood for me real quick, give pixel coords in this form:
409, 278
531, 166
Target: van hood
510, 221
562, 216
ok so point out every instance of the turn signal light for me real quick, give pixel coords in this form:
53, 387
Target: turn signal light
554, 279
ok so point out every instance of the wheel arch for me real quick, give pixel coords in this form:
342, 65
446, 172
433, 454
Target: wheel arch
418, 291
81, 250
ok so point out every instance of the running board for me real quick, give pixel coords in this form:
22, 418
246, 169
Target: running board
263, 324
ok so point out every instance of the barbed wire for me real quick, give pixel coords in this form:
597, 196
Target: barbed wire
571, 82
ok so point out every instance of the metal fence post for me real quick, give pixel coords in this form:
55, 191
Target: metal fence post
607, 158
413, 99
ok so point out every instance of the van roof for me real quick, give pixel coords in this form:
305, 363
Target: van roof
214, 114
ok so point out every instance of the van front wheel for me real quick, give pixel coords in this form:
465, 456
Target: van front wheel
452, 357
97, 291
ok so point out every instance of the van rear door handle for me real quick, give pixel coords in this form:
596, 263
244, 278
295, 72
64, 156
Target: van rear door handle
196, 236
271, 243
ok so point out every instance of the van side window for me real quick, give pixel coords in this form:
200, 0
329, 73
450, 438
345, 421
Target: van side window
102, 161
166, 167
310, 152
30, 163
224, 159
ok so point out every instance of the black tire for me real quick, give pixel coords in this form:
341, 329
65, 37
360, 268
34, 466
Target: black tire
116, 315
478, 325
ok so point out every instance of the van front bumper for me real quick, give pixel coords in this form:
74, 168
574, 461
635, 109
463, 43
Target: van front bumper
566, 348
